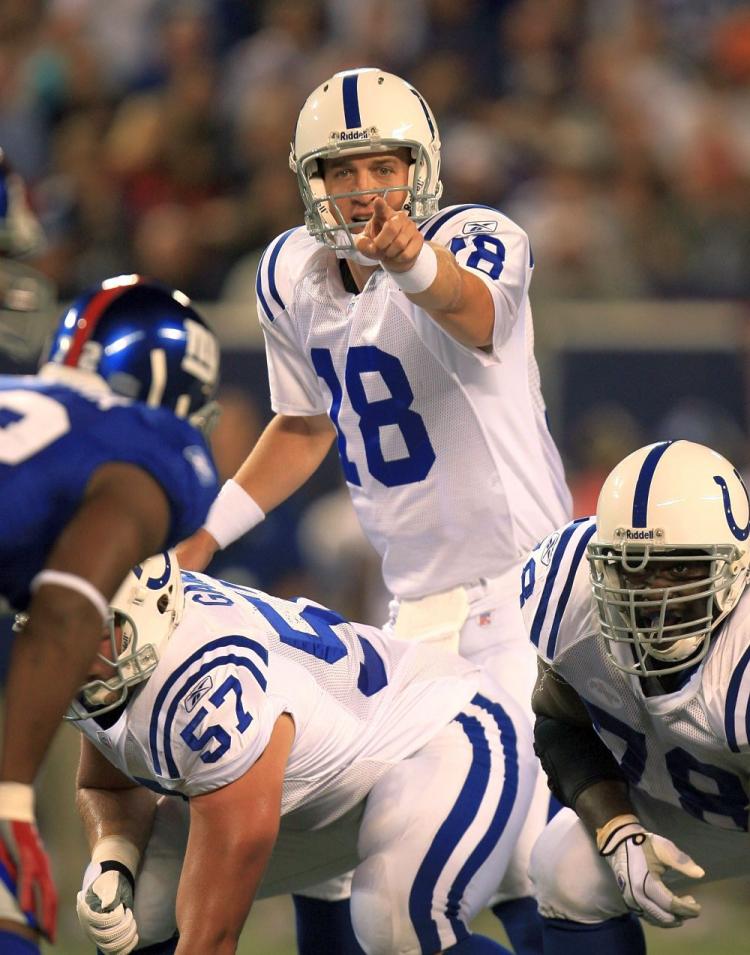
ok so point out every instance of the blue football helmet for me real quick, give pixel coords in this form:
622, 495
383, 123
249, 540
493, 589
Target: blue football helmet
146, 341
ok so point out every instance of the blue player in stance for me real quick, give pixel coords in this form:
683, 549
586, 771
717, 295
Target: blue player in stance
102, 463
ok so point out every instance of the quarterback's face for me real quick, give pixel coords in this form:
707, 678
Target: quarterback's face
370, 175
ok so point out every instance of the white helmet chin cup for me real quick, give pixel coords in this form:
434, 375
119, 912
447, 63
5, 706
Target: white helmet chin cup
364, 111
668, 504
146, 609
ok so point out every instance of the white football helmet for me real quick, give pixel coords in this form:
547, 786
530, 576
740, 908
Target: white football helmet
670, 505
147, 608
364, 111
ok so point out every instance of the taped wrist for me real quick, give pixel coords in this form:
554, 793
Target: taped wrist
573, 757
619, 828
421, 275
232, 514
115, 853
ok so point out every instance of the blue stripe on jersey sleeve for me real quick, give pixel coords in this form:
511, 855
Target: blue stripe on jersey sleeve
739, 681
562, 602
541, 611
643, 484
270, 269
450, 214
229, 641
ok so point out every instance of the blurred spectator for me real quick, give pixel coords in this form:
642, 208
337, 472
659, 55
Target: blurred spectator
605, 434
617, 132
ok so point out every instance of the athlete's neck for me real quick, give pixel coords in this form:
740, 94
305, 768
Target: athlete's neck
355, 276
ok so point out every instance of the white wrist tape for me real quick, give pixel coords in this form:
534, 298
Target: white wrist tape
73, 582
117, 849
232, 514
421, 275
17, 801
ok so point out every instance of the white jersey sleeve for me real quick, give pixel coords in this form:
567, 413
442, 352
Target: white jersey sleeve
211, 718
294, 384
556, 599
492, 247
726, 680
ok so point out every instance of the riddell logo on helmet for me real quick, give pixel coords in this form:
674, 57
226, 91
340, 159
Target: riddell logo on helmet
348, 135
647, 534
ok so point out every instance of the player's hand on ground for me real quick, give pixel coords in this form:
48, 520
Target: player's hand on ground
391, 237
105, 909
196, 551
639, 859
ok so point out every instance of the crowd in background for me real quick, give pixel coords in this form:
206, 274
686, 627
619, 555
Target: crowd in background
155, 133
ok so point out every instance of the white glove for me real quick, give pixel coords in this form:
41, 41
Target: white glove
639, 859
105, 908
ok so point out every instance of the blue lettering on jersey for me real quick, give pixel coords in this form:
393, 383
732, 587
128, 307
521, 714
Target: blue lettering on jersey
375, 416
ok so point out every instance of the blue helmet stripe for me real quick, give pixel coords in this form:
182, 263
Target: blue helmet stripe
351, 101
425, 111
643, 485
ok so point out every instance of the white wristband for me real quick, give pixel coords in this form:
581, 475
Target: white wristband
17, 801
421, 275
61, 578
232, 514
117, 849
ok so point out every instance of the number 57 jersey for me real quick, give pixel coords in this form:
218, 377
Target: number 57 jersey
445, 448
239, 659
690, 747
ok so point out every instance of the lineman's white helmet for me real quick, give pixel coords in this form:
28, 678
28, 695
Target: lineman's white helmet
148, 606
364, 111
668, 504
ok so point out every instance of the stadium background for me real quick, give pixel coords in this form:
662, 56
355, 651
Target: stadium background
154, 136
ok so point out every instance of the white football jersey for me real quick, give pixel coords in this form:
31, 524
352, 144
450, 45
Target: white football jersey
239, 659
445, 448
690, 747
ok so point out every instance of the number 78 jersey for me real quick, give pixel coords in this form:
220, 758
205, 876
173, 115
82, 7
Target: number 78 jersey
445, 448
689, 747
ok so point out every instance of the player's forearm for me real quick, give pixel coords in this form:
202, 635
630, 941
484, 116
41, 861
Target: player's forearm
215, 897
128, 813
60, 638
459, 302
601, 802
288, 452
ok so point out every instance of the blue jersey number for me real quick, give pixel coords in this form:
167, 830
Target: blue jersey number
723, 794
323, 643
216, 733
393, 411
487, 255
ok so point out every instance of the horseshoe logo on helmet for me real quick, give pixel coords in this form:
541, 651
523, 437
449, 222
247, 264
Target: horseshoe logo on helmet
741, 533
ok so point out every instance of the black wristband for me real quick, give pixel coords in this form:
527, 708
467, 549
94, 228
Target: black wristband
110, 865
573, 757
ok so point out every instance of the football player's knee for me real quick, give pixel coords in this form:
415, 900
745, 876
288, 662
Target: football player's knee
380, 915
570, 879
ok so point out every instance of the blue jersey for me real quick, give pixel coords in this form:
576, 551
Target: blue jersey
52, 440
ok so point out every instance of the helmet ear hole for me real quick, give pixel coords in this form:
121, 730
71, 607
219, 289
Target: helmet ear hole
147, 607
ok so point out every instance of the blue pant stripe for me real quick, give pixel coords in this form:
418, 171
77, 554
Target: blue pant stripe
504, 807
450, 833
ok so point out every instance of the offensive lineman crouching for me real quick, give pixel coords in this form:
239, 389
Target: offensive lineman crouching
303, 746
640, 619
